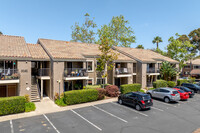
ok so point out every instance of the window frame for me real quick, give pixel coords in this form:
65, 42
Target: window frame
92, 65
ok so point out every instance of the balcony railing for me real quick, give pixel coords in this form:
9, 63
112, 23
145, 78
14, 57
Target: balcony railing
153, 70
134, 69
9, 74
119, 71
43, 72
75, 72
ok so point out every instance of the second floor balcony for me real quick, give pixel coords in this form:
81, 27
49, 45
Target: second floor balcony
153, 70
75, 72
121, 71
43, 72
9, 74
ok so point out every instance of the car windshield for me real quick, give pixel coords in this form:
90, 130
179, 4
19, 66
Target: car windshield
186, 89
175, 92
181, 91
196, 86
146, 97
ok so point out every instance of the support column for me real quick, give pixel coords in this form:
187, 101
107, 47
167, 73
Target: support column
41, 89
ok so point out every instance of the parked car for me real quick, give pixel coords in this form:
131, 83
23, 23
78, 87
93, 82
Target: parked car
190, 92
166, 94
137, 99
193, 87
183, 95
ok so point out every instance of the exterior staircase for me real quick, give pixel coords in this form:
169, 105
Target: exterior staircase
35, 94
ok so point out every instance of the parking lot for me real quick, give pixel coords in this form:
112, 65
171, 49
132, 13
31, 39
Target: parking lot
182, 117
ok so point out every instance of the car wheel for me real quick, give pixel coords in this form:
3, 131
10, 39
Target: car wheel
137, 107
120, 101
166, 99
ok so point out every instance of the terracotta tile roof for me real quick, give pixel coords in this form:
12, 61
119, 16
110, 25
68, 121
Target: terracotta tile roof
194, 62
37, 52
144, 55
195, 71
13, 46
73, 50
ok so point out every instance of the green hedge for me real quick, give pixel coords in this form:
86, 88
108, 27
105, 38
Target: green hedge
171, 84
130, 88
180, 81
12, 105
80, 96
93, 86
159, 83
30, 107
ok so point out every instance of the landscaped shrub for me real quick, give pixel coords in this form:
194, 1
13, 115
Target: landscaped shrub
105, 85
27, 98
112, 91
30, 107
151, 88
130, 88
171, 84
12, 105
142, 91
180, 81
80, 96
101, 93
92, 86
159, 83
191, 80
60, 102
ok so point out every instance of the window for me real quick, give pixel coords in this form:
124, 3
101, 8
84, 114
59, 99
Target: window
89, 65
89, 82
196, 67
164, 91
100, 81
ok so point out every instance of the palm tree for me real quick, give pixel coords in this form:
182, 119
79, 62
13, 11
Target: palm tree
157, 40
167, 71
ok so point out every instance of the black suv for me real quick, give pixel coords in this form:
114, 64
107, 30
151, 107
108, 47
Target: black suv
189, 91
193, 87
137, 99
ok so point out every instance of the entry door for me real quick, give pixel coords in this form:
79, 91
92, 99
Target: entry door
117, 82
68, 86
12, 90
3, 91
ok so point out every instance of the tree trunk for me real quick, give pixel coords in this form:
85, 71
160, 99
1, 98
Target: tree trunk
157, 45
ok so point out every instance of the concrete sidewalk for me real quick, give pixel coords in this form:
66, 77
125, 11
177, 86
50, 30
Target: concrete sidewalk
48, 106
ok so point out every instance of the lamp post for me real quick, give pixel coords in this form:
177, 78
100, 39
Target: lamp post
58, 81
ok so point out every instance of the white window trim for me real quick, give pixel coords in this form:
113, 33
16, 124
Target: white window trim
90, 79
92, 65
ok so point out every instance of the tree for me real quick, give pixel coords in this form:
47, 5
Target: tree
84, 33
107, 54
1, 33
157, 40
120, 33
167, 71
140, 46
178, 50
195, 38
183, 38
160, 51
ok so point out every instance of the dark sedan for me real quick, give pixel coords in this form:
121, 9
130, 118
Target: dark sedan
190, 92
137, 99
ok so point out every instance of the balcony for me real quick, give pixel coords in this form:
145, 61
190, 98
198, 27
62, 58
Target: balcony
134, 69
153, 71
9, 74
122, 72
43, 72
75, 73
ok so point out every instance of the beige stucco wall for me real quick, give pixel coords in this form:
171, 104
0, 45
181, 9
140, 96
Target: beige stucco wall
24, 69
141, 74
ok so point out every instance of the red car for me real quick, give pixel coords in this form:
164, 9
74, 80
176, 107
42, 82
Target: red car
183, 95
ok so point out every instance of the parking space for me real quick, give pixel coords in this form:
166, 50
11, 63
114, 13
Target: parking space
183, 117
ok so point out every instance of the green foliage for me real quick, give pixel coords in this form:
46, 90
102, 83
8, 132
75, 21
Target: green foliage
60, 102
27, 98
171, 84
140, 47
191, 80
157, 40
84, 33
142, 91
180, 81
151, 88
105, 85
195, 38
157, 50
112, 91
30, 107
101, 93
92, 86
130, 88
80, 96
159, 83
12, 105
1, 33
167, 71
120, 32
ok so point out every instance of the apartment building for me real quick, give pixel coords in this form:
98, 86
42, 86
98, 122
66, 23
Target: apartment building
192, 68
53, 66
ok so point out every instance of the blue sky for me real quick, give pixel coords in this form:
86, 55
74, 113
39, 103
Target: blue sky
53, 19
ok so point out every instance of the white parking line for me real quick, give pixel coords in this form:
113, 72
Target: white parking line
165, 103
157, 108
86, 120
11, 126
51, 123
109, 113
130, 109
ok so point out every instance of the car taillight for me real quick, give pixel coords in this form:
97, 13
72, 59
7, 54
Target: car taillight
173, 94
142, 102
151, 100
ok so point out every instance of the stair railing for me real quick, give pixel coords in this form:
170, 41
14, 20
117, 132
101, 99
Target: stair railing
38, 87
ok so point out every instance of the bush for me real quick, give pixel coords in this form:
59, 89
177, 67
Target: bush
191, 80
142, 91
130, 88
92, 86
159, 83
80, 96
112, 91
101, 93
30, 107
151, 88
12, 105
171, 84
180, 81
60, 102
27, 98
105, 85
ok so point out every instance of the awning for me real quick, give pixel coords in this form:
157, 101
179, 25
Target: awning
195, 72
